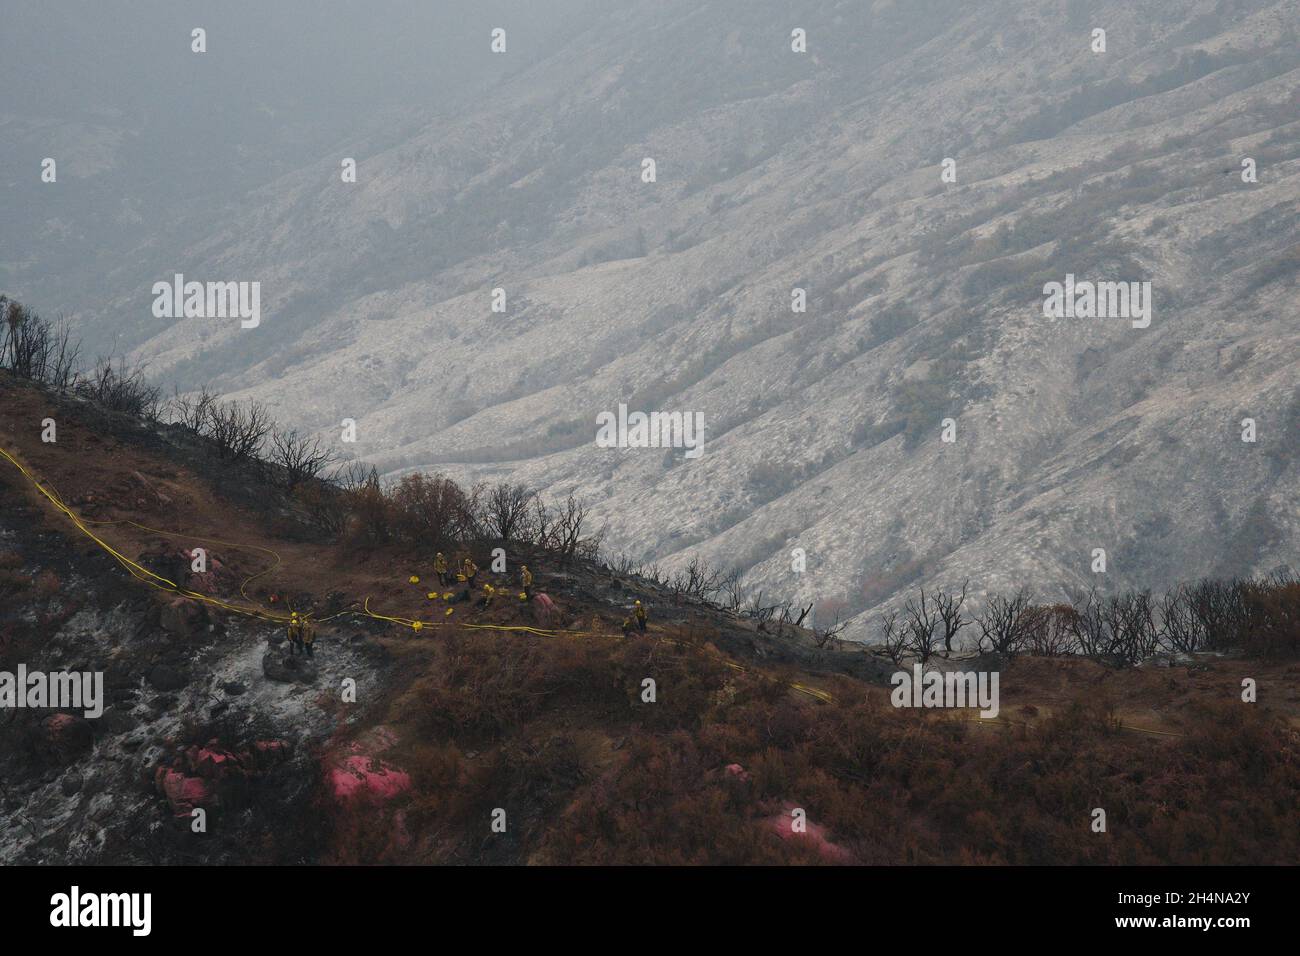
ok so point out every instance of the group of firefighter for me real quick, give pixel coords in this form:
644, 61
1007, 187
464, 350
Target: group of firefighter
302, 634
467, 573
302, 630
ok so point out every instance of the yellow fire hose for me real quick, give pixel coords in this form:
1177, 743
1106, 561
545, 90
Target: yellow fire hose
143, 574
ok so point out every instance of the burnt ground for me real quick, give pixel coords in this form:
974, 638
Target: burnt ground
445, 725
78, 790
182, 677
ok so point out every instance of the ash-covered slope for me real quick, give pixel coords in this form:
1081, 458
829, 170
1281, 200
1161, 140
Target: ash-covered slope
778, 170
188, 697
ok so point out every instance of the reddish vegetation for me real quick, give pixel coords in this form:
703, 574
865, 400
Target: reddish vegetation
361, 788
48, 584
553, 731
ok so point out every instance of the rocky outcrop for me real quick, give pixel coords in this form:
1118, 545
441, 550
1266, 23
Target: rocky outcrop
63, 738
183, 617
285, 668
213, 777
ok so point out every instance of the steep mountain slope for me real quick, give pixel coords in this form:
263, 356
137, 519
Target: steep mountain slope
392, 744
821, 170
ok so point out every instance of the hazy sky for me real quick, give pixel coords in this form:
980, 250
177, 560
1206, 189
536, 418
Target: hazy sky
147, 134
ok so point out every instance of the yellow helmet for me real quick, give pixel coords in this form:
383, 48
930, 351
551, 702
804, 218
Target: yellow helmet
638, 603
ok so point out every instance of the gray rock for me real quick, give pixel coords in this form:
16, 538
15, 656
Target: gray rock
287, 670
118, 720
183, 618
164, 677
65, 737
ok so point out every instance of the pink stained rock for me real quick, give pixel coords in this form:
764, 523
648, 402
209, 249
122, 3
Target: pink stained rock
209, 581
544, 609
365, 779
212, 762
265, 754
184, 793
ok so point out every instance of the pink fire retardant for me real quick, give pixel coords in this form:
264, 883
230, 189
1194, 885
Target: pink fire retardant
544, 608
367, 779
783, 824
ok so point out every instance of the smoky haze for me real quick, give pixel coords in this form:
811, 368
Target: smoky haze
919, 173
156, 140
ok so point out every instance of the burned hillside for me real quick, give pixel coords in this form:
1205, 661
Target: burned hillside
397, 744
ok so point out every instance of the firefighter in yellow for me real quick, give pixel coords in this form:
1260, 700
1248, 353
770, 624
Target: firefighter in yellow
639, 612
295, 633
440, 569
489, 592
526, 579
308, 639
470, 570
627, 626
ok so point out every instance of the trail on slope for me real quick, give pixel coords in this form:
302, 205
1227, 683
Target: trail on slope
153, 579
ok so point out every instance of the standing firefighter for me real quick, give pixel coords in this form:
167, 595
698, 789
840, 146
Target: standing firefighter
470, 570
440, 569
308, 638
526, 579
627, 626
639, 612
295, 633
